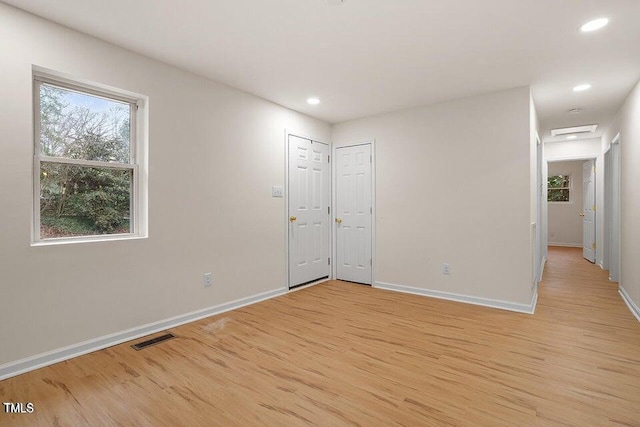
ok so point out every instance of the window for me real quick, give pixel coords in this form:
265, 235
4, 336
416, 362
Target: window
559, 188
85, 159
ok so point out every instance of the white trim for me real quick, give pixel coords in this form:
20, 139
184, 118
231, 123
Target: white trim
485, 302
138, 153
75, 83
635, 310
565, 245
616, 139
87, 239
543, 264
88, 163
614, 228
288, 133
571, 158
41, 360
334, 248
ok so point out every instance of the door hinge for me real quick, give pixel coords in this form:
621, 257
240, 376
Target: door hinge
370, 261
371, 210
328, 261
370, 158
328, 159
594, 208
593, 246
328, 210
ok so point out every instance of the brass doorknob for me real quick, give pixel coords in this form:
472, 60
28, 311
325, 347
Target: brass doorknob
581, 214
292, 218
339, 220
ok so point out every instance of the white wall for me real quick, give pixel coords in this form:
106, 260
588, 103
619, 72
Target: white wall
627, 124
565, 223
453, 185
590, 148
214, 154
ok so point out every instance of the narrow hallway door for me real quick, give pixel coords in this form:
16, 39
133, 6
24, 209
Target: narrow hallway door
354, 213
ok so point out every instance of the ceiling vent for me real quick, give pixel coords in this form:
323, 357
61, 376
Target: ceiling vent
576, 129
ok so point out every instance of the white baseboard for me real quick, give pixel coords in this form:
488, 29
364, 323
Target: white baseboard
565, 245
635, 310
18, 367
486, 302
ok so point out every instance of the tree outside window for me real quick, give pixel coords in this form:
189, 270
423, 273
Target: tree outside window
86, 163
559, 188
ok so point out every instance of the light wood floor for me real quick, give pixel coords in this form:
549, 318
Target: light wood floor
345, 354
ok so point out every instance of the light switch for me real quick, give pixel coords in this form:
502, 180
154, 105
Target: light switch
277, 191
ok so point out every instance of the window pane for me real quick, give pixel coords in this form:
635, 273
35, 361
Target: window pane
81, 126
558, 181
84, 201
558, 195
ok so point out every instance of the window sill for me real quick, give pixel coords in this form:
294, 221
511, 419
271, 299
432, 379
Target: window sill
91, 239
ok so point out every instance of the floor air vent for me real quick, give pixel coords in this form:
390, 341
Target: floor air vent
153, 341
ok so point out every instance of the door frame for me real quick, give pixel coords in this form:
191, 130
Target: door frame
612, 210
598, 207
334, 202
540, 255
287, 279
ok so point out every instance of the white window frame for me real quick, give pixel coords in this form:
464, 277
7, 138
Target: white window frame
570, 188
137, 157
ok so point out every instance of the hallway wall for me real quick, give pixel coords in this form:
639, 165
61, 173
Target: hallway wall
627, 124
453, 185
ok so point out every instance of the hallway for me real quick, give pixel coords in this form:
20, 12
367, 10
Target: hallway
592, 341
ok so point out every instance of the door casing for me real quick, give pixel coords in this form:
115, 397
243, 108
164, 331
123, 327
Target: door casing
588, 209
612, 215
545, 229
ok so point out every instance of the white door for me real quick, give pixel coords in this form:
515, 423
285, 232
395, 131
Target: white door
308, 211
353, 213
589, 211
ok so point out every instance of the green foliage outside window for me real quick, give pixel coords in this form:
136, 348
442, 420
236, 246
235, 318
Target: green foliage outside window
558, 188
76, 199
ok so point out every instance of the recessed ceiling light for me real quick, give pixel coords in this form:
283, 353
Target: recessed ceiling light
572, 137
582, 87
594, 25
313, 101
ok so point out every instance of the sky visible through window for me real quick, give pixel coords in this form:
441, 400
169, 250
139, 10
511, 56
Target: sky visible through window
94, 103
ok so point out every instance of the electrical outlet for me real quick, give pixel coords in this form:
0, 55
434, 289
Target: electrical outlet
207, 280
446, 269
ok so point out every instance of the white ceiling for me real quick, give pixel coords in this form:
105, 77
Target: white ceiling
372, 56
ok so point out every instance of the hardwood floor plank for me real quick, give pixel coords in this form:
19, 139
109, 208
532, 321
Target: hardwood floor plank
344, 354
